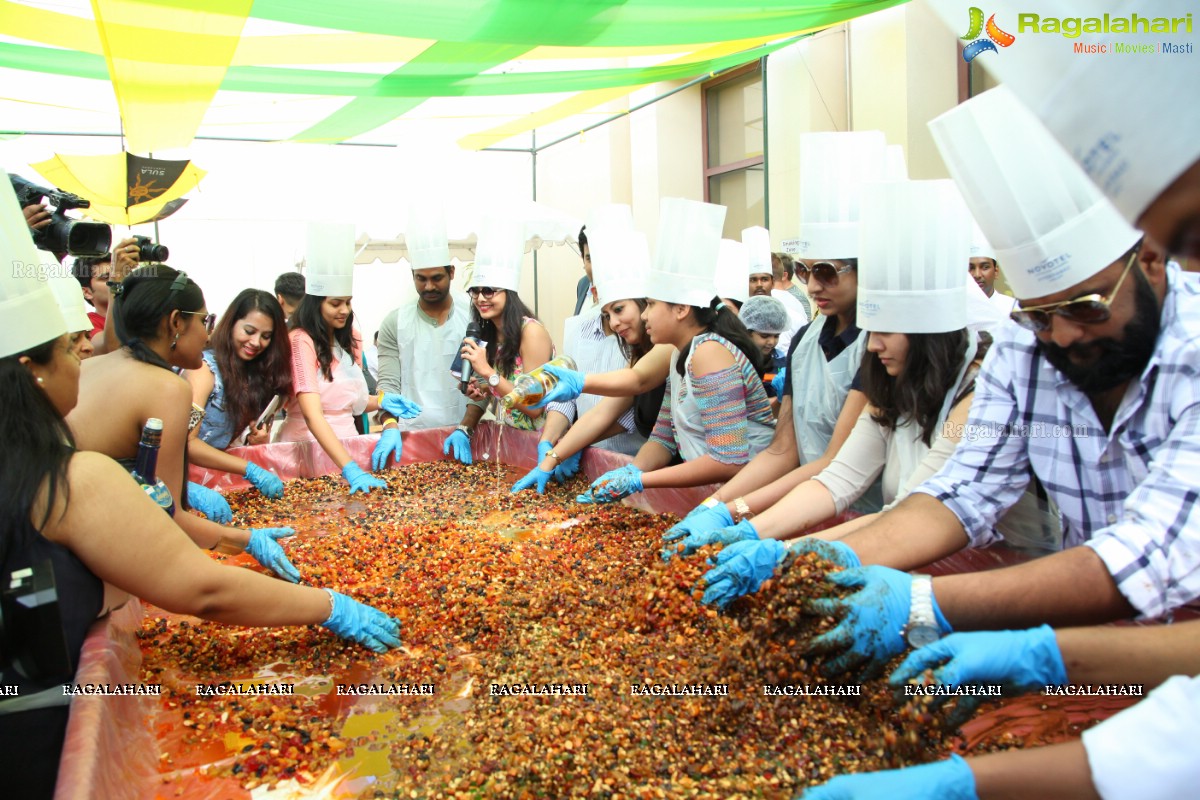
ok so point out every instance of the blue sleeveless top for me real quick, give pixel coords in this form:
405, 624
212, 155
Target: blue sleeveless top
216, 428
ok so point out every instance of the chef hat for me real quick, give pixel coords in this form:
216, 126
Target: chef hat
833, 167
1050, 226
425, 236
499, 254
980, 246
30, 313
685, 262
757, 241
620, 263
1124, 118
730, 280
764, 314
912, 276
329, 260
895, 167
66, 292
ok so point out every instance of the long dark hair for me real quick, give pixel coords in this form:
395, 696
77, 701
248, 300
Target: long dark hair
144, 299
37, 446
308, 319
918, 394
632, 353
718, 318
250, 385
504, 359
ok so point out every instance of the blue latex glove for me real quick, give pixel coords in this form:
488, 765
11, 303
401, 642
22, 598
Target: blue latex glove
209, 503
873, 618
743, 531
537, 476
543, 448
613, 485
834, 552
266, 482
700, 520
399, 406
1021, 660
461, 444
779, 383
360, 623
568, 468
741, 569
266, 551
389, 444
569, 386
361, 480
942, 780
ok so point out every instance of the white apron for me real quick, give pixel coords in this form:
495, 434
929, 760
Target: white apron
819, 388
597, 355
426, 353
685, 417
342, 399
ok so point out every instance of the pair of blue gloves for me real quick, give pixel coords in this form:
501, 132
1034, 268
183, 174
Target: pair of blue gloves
213, 505
566, 469
360, 623
613, 485
390, 444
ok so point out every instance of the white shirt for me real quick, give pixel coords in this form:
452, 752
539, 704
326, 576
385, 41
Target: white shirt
797, 316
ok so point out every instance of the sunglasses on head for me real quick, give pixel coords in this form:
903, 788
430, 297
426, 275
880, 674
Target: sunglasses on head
825, 272
1091, 309
210, 320
488, 292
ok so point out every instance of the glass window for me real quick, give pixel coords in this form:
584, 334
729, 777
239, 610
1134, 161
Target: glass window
734, 132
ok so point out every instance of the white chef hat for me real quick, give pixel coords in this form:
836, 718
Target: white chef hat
980, 246
329, 260
30, 313
425, 236
67, 292
757, 241
833, 167
1126, 119
620, 264
895, 167
730, 279
1050, 226
914, 245
499, 254
685, 261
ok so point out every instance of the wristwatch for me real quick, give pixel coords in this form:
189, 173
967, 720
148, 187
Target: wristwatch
494, 380
468, 431
922, 628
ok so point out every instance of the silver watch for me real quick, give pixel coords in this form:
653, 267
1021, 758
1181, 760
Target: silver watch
494, 380
922, 628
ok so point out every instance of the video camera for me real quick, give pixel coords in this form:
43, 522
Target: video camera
63, 234
32, 640
151, 253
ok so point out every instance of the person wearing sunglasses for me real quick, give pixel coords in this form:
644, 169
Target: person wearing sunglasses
159, 315
1094, 392
246, 365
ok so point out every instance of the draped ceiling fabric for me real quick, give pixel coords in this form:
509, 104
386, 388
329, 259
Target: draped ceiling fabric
358, 70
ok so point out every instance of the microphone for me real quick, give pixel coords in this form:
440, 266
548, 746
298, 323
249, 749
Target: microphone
465, 369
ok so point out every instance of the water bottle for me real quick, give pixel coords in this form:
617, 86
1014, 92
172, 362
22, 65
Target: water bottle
147, 464
529, 389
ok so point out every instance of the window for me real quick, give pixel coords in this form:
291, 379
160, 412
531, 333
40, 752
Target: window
734, 132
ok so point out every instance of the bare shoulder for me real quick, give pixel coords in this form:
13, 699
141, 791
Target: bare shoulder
711, 356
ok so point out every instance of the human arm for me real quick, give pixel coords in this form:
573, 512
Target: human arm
598, 423
125, 260
200, 452
650, 371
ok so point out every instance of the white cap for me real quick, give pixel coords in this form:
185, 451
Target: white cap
620, 262
980, 246
499, 254
1050, 226
764, 314
329, 260
425, 236
758, 250
610, 216
27, 306
895, 167
1126, 118
730, 280
833, 167
914, 245
685, 262
67, 292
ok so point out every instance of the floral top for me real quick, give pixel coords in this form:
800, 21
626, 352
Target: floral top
516, 418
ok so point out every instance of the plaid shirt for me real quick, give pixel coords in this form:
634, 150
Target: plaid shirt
1130, 493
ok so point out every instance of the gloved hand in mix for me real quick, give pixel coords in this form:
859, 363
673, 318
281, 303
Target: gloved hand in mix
569, 386
941, 780
398, 405
266, 482
209, 502
460, 443
743, 531
568, 468
536, 476
360, 480
613, 485
360, 623
265, 549
389, 444
741, 569
700, 519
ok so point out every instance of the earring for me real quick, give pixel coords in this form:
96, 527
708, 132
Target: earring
40, 380
175, 342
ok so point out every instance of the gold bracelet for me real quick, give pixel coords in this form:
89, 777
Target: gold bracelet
554, 455
391, 422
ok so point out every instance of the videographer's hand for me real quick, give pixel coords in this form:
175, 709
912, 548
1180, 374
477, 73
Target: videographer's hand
125, 259
37, 216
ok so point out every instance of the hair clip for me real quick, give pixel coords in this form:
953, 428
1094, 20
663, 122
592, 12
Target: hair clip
720, 306
180, 282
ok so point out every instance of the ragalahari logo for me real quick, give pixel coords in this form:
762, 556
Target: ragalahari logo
994, 37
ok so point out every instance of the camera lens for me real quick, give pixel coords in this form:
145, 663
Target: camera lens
149, 252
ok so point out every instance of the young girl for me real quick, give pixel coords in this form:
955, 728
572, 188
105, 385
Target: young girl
249, 363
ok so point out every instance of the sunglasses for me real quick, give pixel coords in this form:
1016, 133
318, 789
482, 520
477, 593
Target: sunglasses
488, 292
210, 320
824, 272
1091, 309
